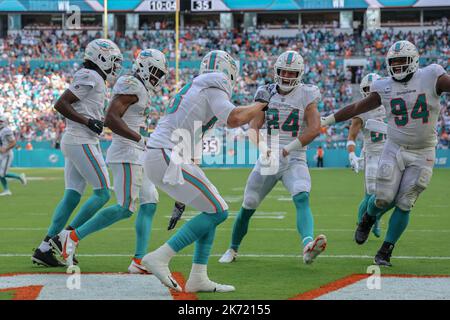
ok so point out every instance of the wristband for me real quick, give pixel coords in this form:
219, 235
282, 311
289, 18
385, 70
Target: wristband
350, 143
293, 145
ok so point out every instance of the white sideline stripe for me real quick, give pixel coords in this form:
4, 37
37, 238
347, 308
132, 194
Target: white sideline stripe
229, 229
250, 255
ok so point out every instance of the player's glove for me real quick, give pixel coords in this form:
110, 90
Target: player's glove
177, 212
354, 161
265, 93
95, 125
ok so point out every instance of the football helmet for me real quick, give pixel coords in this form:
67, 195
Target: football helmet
220, 61
402, 49
151, 66
106, 55
364, 86
290, 61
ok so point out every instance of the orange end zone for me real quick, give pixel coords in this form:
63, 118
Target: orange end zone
24, 293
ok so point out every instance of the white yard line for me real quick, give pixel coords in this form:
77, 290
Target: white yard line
250, 255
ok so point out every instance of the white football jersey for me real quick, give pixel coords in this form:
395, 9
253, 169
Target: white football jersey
285, 117
373, 141
90, 89
194, 109
6, 136
412, 108
123, 150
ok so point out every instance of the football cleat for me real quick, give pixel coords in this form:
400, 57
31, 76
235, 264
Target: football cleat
57, 246
376, 229
23, 179
68, 244
364, 227
314, 248
46, 259
383, 256
6, 193
136, 267
229, 256
206, 285
161, 270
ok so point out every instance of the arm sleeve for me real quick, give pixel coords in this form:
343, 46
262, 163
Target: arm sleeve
81, 85
219, 103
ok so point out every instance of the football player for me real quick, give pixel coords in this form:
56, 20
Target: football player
83, 105
372, 147
127, 117
293, 119
193, 110
411, 97
7, 144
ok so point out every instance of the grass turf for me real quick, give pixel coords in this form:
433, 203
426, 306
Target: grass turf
335, 197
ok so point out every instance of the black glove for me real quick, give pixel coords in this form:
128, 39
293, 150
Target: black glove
177, 212
95, 125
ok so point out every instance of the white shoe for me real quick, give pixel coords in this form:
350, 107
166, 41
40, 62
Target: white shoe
137, 268
314, 248
5, 193
152, 263
68, 246
23, 179
229, 256
206, 285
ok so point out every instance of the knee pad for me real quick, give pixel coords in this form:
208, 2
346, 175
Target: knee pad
251, 200
407, 199
385, 176
103, 194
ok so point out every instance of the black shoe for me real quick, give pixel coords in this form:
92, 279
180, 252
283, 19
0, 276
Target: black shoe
363, 230
57, 246
383, 256
46, 259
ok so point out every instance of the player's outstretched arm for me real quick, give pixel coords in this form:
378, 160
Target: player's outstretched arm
443, 84
312, 130
113, 120
244, 114
370, 102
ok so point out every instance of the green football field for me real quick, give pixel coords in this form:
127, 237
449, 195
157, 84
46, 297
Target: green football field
269, 265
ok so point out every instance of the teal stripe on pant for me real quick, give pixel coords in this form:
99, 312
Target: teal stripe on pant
96, 166
127, 180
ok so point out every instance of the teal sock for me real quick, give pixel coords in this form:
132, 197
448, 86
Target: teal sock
63, 211
305, 221
104, 218
195, 229
372, 209
98, 199
4, 183
143, 227
363, 206
397, 225
11, 175
240, 227
203, 247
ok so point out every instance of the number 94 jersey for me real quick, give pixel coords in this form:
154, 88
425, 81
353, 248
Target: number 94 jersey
285, 116
412, 108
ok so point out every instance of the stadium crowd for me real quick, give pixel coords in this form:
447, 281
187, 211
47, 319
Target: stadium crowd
27, 93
